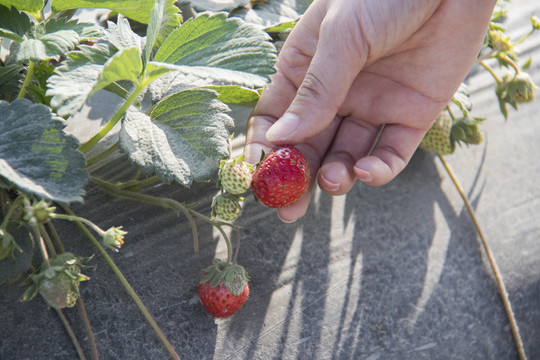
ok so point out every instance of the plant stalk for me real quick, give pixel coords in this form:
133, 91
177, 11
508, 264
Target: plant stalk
500, 283
490, 70
71, 334
88, 328
114, 120
127, 286
27, 78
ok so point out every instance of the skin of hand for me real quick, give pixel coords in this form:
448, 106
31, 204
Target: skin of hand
350, 68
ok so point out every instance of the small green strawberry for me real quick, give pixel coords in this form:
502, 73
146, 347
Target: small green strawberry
226, 206
58, 282
437, 139
223, 289
235, 175
282, 177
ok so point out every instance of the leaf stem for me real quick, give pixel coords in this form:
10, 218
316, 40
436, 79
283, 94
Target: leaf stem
10, 212
490, 70
27, 78
71, 217
500, 284
114, 120
88, 328
71, 334
126, 285
102, 155
47, 239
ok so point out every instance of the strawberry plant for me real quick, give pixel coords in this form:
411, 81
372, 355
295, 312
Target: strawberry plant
176, 80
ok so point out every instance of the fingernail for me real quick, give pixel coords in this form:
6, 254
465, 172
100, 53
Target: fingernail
331, 177
363, 175
284, 129
286, 221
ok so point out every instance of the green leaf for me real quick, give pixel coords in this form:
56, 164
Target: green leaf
14, 25
215, 6
122, 37
12, 267
236, 95
273, 12
183, 139
219, 42
138, 10
185, 77
36, 156
10, 77
32, 6
51, 39
163, 19
124, 65
77, 77
462, 99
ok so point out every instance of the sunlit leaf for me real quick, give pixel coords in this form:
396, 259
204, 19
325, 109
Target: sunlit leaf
183, 138
77, 77
138, 10
32, 6
124, 65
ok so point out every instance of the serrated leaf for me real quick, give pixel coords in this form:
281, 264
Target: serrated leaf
138, 10
164, 18
77, 77
13, 267
32, 6
219, 42
186, 77
10, 76
51, 39
14, 25
124, 65
272, 12
122, 37
36, 156
236, 95
221, 5
183, 138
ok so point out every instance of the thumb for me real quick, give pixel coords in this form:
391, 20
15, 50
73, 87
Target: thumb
323, 90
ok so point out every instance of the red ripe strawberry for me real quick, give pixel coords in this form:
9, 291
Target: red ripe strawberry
223, 289
281, 178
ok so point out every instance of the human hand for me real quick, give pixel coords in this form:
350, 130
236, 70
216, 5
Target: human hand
360, 75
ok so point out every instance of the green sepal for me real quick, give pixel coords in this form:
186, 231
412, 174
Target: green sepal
232, 276
30, 292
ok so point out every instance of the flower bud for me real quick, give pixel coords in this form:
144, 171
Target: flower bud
114, 238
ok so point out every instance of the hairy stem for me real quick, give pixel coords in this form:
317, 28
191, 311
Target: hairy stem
10, 211
27, 79
102, 155
126, 286
114, 120
88, 328
500, 284
490, 70
71, 334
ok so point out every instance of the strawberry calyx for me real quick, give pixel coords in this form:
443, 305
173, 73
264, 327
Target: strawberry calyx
232, 276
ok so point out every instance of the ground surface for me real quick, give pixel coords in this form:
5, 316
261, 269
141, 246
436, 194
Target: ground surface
395, 272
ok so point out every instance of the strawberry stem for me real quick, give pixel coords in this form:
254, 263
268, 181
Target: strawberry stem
500, 284
27, 78
71, 334
88, 328
126, 285
170, 204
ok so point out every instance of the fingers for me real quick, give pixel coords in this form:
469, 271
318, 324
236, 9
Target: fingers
337, 60
350, 160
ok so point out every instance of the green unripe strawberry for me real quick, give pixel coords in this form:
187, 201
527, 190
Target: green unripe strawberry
235, 175
60, 290
226, 206
58, 281
437, 139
